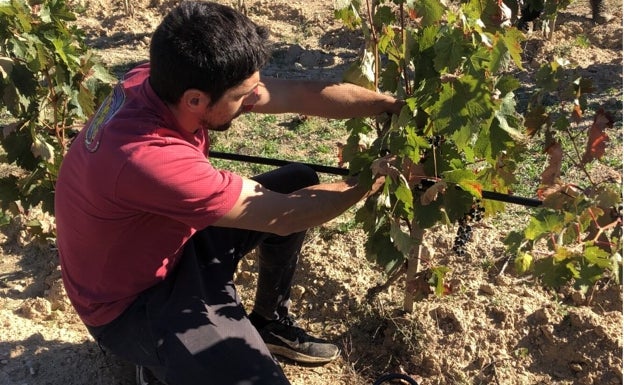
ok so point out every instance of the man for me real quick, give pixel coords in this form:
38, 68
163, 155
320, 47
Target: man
150, 234
532, 9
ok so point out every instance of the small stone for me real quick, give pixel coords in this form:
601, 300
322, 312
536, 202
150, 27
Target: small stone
486, 289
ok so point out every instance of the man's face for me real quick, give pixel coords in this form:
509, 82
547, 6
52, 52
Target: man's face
235, 101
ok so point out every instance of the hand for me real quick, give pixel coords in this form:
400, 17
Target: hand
396, 107
381, 168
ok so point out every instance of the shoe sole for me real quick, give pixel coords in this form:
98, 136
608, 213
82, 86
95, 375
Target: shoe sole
300, 357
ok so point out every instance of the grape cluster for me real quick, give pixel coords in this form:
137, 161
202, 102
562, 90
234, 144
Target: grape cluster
464, 229
435, 140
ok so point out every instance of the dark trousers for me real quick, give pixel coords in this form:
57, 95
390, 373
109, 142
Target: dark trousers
191, 328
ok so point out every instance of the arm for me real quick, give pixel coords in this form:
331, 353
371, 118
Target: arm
263, 210
324, 99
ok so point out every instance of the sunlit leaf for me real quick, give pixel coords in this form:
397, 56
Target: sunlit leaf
597, 138
597, 256
362, 72
523, 263
543, 223
552, 172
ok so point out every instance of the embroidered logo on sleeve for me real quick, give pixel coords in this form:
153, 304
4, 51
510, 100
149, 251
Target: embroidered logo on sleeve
104, 114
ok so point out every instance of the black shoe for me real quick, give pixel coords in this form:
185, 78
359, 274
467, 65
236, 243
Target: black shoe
285, 338
142, 376
145, 377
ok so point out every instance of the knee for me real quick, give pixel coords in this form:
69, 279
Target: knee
304, 175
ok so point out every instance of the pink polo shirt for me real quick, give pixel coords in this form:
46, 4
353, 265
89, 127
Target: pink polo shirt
133, 188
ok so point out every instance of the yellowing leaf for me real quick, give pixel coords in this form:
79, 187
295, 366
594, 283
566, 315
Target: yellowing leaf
362, 72
561, 254
523, 262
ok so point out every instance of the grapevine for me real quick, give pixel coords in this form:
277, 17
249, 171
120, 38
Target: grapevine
50, 83
460, 134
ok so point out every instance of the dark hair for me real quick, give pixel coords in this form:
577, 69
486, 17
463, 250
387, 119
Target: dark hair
207, 46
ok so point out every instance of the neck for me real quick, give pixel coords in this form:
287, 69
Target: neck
186, 121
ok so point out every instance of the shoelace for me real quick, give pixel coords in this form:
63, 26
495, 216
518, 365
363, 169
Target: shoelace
287, 320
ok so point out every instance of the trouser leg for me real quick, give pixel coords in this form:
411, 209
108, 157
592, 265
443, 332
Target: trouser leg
278, 255
191, 329
600, 13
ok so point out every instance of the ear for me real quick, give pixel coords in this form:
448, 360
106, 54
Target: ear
195, 100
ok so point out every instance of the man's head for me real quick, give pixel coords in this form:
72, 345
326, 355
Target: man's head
207, 47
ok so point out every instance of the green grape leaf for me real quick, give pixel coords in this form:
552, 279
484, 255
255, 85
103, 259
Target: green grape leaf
506, 117
553, 274
404, 195
380, 249
401, 240
506, 84
597, 256
512, 39
587, 276
428, 215
450, 52
9, 191
499, 57
347, 12
543, 223
383, 16
437, 279
431, 11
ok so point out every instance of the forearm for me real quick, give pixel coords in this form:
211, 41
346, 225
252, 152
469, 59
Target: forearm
324, 99
315, 205
263, 210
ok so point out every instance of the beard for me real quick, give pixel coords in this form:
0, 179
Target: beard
207, 125
211, 127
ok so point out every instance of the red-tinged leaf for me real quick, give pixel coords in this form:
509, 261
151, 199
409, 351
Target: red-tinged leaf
577, 114
419, 286
551, 173
597, 137
472, 186
559, 196
414, 173
466, 180
545, 191
341, 160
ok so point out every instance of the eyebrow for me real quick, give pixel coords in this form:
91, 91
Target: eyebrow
248, 92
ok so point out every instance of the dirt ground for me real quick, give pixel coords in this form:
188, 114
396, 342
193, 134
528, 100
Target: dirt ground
496, 328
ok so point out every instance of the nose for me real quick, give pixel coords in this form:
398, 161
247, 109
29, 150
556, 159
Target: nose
252, 98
